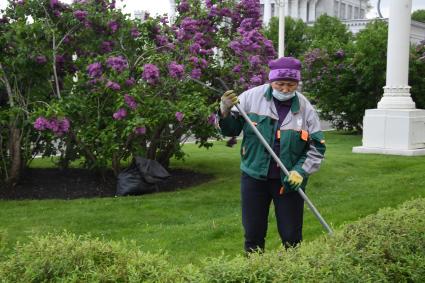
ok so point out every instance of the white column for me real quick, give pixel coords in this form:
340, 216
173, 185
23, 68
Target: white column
172, 13
312, 11
339, 9
286, 7
303, 10
282, 8
395, 127
294, 9
397, 90
267, 12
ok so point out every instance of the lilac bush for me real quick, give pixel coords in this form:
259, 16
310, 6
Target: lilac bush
124, 88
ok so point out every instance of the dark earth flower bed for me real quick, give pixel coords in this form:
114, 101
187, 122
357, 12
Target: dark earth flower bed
50, 183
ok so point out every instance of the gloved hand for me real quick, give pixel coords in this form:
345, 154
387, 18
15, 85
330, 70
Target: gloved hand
293, 181
228, 100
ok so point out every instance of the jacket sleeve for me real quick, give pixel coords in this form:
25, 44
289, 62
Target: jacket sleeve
233, 124
310, 161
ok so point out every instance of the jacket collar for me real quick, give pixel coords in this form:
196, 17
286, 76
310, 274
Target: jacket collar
295, 101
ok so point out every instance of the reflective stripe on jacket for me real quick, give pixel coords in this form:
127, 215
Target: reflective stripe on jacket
302, 144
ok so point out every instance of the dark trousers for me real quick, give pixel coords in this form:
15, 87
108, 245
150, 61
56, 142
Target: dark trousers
256, 196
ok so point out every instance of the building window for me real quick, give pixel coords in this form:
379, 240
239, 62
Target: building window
273, 11
356, 12
342, 11
350, 12
362, 13
262, 10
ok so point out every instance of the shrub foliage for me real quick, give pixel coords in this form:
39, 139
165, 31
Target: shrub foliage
386, 247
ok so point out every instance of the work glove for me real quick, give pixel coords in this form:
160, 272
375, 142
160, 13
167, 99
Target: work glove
228, 100
293, 181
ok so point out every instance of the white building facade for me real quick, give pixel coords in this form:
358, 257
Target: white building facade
310, 10
351, 12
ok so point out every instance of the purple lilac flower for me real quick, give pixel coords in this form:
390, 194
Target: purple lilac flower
57, 126
194, 48
212, 119
161, 40
203, 63
94, 70
54, 3
107, 46
183, 7
190, 25
57, 13
80, 15
112, 5
236, 47
206, 52
256, 79
113, 26
140, 130
94, 81
164, 20
113, 85
59, 59
131, 81
130, 101
194, 60
225, 12
41, 59
237, 68
118, 63
150, 73
340, 53
179, 116
120, 114
87, 24
41, 123
66, 39
64, 125
255, 60
134, 32
196, 73
176, 70
20, 2
214, 12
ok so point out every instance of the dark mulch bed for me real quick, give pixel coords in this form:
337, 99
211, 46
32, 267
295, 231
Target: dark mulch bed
43, 183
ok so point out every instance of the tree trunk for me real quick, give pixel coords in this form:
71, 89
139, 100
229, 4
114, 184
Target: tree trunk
167, 152
154, 143
116, 165
15, 156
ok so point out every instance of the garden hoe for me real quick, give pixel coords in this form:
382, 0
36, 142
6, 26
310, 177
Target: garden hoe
275, 157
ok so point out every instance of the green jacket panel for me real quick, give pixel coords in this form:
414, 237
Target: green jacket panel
301, 140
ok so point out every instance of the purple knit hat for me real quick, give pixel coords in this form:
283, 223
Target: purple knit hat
285, 68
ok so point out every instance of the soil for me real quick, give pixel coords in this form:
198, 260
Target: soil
48, 183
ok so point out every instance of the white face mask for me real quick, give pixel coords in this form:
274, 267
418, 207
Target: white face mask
283, 96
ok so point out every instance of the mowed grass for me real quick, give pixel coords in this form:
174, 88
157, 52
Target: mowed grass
205, 220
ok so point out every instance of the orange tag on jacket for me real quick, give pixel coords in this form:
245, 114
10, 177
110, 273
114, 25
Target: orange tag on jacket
278, 134
254, 123
282, 190
304, 135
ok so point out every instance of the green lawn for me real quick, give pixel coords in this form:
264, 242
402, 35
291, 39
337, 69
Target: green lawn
205, 220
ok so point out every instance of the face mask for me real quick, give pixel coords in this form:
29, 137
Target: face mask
282, 96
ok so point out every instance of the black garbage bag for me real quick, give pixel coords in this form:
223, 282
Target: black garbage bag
141, 177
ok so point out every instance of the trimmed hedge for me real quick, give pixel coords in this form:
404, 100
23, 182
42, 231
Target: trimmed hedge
385, 247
